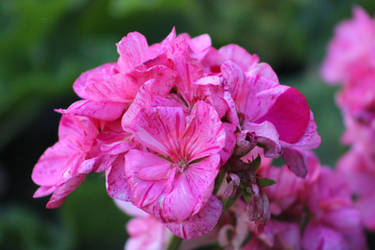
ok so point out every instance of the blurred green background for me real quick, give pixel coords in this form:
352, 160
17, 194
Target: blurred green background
46, 44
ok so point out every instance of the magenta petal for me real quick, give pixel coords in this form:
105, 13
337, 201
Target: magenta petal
201, 223
201, 179
295, 160
179, 204
238, 55
133, 50
147, 176
290, 114
56, 164
44, 191
160, 128
320, 237
116, 182
204, 134
94, 76
266, 135
64, 190
107, 111
81, 131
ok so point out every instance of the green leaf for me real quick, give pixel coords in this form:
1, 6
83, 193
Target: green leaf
264, 182
255, 164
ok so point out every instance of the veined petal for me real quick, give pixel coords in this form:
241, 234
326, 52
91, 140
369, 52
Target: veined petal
133, 50
62, 191
201, 223
290, 114
57, 164
147, 176
116, 181
204, 134
107, 111
160, 129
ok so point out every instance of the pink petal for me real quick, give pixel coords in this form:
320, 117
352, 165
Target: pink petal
266, 135
230, 142
160, 129
179, 204
147, 176
238, 55
201, 179
290, 114
320, 237
44, 191
107, 111
79, 130
64, 190
57, 164
133, 50
201, 223
116, 182
295, 160
200, 43
98, 75
204, 134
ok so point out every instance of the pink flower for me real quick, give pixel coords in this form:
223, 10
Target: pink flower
335, 223
351, 48
277, 116
358, 168
175, 180
64, 166
145, 231
276, 235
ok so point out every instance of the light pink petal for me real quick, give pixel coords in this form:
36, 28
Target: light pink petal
57, 164
230, 142
107, 111
130, 209
238, 55
160, 129
81, 131
163, 77
147, 97
266, 135
200, 43
310, 138
146, 233
201, 223
264, 70
204, 134
116, 182
179, 204
147, 176
290, 114
201, 179
98, 75
295, 159
44, 191
59, 195
320, 237
366, 207
345, 219
285, 192
209, 80
133, 50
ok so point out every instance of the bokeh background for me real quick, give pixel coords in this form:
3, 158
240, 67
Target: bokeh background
46, 44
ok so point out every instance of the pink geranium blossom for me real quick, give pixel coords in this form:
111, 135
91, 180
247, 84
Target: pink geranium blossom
167, 122
175, 180
64, 166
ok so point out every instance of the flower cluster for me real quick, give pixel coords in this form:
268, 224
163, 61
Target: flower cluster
184, 133
351, 62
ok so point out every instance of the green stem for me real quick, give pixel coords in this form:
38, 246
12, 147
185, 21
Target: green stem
174, 243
